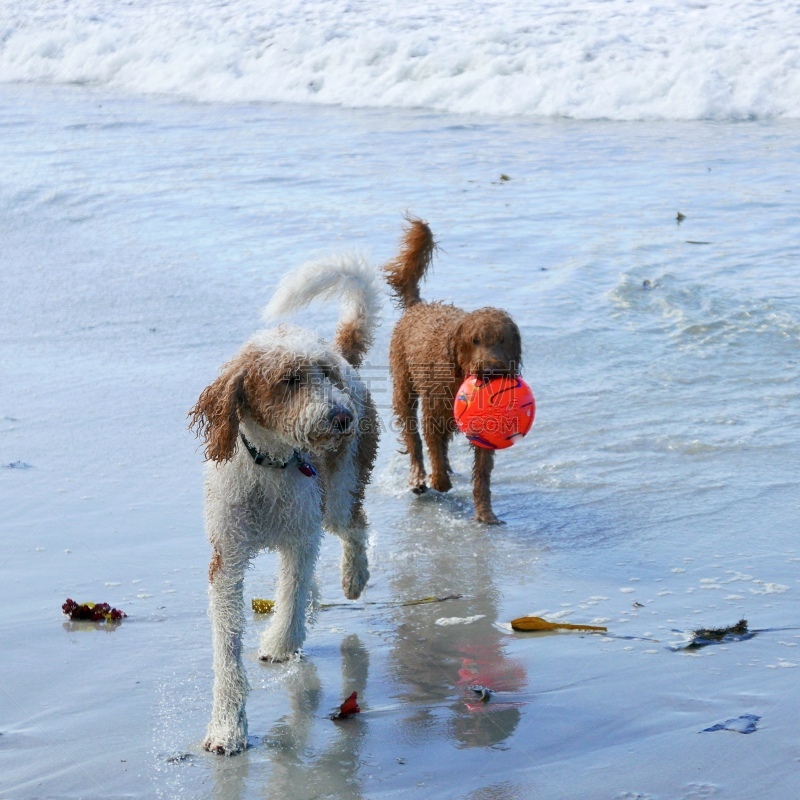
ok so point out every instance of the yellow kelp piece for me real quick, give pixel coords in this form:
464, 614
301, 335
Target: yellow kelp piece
539, 624
263, 606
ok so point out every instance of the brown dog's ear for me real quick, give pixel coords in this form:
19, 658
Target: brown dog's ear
457, 349
514, 344
215, 416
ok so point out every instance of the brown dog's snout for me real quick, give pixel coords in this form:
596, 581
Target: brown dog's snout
490, 367
340, 419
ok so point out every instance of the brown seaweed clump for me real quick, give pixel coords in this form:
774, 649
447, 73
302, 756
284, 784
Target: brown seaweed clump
733, 633
92, 612
739, 629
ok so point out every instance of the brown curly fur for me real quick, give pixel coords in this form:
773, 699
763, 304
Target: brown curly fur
258, 384
434, 347
353, 341
405, 271
215, 416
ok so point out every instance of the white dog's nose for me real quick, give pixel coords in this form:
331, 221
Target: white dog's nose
340, 418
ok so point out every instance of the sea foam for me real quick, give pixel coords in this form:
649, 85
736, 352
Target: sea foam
585, 59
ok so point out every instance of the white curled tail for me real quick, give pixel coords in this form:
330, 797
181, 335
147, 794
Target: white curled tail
347, 277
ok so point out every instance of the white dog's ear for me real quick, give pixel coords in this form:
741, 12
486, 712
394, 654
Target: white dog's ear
215, 416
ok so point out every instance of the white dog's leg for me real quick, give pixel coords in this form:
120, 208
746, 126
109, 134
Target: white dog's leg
227, 731
287, 631
345, 518
353, 535
354, 564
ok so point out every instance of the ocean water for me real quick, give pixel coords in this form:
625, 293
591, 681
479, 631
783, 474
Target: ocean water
585, 59
147, 212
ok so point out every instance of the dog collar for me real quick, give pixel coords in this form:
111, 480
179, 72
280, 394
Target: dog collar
263, 460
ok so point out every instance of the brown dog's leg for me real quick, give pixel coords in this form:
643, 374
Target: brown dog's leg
413, 443
481, 488
435, 416
405, 402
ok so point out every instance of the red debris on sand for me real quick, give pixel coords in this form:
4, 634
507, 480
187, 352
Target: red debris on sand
348, 708
92, 612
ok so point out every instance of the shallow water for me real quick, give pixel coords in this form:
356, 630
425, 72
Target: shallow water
657, 492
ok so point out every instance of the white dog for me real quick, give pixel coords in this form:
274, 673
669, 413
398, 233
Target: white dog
291, 433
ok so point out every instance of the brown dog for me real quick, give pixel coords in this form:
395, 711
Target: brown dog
434, 347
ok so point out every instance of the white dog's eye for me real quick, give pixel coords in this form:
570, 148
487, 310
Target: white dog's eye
476, 340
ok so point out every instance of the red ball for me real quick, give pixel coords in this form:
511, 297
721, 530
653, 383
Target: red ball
496, 413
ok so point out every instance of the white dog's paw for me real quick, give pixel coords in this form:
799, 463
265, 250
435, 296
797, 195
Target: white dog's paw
274, 651
270, 656
225, 742
355, 574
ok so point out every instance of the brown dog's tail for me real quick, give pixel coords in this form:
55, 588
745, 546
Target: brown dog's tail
407, 269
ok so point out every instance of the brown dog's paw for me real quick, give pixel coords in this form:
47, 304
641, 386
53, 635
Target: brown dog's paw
416, 479
488, 518
441, 483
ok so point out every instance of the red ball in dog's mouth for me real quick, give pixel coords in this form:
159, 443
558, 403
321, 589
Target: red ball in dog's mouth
494, 413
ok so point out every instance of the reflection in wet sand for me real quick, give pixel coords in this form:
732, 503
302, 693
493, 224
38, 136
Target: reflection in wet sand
311, 756
435, 665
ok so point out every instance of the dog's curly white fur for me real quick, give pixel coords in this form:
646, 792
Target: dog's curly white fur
291, 400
